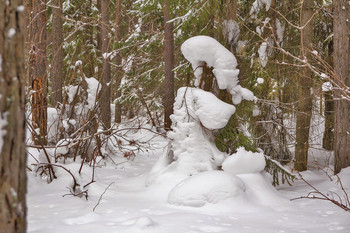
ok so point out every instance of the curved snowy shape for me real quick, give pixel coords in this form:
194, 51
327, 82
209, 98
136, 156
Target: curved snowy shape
200, 49
206, 187
243, 162
212, 112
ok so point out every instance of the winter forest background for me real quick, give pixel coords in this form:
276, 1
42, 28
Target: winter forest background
174, 116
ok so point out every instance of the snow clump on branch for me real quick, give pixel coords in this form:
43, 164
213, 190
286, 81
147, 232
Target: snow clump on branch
204, 49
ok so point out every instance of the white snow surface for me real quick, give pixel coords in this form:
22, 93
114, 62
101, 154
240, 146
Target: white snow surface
130, 207
206, 187
243, 162
200, 49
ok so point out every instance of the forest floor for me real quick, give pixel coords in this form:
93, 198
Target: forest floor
119, 202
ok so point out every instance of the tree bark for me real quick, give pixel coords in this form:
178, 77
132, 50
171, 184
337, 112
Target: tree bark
105, 95
169, 66
119, 72
57, 52
328, 135
342, 68
39, 77
12, 154
305, 83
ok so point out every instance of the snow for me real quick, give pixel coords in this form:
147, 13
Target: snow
231, 31
11, 32
52, 124
205, 107
279, 31
244, 161
192, 148
93, 88
263, 54
130, 207
327, 86
200, 49
78, 63
206, 187
260, 80
20, 8
258, 5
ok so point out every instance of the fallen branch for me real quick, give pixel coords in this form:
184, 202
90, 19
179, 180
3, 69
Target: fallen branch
311, 195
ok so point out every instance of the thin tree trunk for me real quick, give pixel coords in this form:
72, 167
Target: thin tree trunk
119, 72
39, 77
57, 52
12, 154
105, 95
305, 83
342, 69
169, 66
328, 135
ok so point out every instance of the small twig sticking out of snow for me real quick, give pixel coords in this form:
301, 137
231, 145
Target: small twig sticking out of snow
101, 196
311, 195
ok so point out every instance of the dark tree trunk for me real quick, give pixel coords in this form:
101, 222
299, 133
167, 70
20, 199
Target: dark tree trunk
105, 95
12, 154
57, 53
39, 77
169, 66
119, 71
328, 135
305, 83
342, 69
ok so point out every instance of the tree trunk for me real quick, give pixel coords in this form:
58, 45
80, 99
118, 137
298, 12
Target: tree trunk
57, 53
105, 95
12, 154
39, 77
328, 135
119, 71
305, 83
342, 69
169, 66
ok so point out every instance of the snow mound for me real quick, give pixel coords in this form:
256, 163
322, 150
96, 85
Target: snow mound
200, 49
244, 162
206, 187
344, 176
260, 192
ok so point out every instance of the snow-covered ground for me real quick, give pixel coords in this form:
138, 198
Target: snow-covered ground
129, 206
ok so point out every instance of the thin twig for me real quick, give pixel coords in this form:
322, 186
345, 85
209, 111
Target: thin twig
101, 196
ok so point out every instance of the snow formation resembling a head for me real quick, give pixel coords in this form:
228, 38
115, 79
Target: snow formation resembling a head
200, 49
